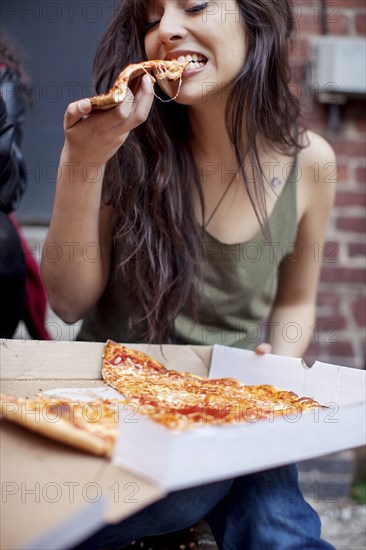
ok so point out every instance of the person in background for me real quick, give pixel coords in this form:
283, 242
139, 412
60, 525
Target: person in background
197, 240
22, 295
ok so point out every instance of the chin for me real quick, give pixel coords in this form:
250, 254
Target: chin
189, 94
188, 100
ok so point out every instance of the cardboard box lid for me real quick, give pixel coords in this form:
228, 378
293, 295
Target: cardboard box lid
47, 485
324, 382
51, 360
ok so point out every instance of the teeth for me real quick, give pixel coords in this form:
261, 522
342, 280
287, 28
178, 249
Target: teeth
194, 57
195, 65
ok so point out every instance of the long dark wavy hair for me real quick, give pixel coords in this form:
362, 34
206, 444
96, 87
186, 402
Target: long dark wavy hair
151, 178
10, 56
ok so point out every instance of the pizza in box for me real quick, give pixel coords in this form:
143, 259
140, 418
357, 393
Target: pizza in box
178, 401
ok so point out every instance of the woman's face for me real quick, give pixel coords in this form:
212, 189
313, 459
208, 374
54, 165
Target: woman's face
211, 33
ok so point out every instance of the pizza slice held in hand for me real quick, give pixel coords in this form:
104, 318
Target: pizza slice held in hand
172, 70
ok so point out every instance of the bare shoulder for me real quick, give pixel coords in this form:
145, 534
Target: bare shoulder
316, 150
318, 173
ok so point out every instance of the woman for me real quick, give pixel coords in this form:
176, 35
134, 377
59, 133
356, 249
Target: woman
194, 222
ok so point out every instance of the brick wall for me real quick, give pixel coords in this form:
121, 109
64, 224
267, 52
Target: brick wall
339, 333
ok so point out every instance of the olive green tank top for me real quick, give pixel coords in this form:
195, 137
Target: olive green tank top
237, 294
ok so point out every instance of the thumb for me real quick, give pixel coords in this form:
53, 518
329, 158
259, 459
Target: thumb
76, 111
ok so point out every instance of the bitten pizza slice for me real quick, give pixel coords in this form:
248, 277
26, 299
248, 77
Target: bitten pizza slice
172, 70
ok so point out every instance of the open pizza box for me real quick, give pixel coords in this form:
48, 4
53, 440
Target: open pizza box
76, 493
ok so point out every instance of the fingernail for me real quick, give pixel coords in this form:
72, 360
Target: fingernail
84, 105
267, 348
147, 81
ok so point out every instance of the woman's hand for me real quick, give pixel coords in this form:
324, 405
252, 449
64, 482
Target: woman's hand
263, 348
95, 136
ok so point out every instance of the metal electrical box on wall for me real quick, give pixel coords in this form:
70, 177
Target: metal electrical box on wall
338, 67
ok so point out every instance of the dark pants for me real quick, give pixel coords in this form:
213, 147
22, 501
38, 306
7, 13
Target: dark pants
263, 511
12, 278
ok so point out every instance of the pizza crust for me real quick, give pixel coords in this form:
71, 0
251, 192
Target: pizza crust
171, 70
36, 415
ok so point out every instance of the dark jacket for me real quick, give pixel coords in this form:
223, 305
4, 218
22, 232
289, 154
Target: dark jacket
12, 166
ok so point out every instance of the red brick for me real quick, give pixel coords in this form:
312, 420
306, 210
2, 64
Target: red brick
342, 172
359, 310
313, 351
348, 198
361, 175
357, 225
343, 275
300, 49
349, 3
338, 24
364, 351
299, 71
351, 148
357, 249
361, 23
330, 323
308, 24
328, 299
340, 349
354, 110
360, 124
331, 252
316, 113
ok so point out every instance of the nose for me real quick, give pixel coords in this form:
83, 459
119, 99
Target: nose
171, 28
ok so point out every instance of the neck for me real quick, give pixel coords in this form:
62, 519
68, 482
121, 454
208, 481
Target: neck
210, 138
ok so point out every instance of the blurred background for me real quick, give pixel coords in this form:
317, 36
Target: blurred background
57, 41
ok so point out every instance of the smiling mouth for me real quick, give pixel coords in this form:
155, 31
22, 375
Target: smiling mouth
195, 61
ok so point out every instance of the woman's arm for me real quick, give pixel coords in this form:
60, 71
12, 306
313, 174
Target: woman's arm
292, 320
76, 256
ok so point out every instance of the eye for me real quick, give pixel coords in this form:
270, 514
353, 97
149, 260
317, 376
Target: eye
151, 25
198, 7
193, 9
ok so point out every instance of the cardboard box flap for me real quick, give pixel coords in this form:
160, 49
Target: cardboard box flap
50, 360
336, 384
46, 483
31, 359
220, 452
70, 531
324, 382
252, 369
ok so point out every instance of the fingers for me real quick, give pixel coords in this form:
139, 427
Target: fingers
101, 133
135, 109
144, 98
76, 111
263, 348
